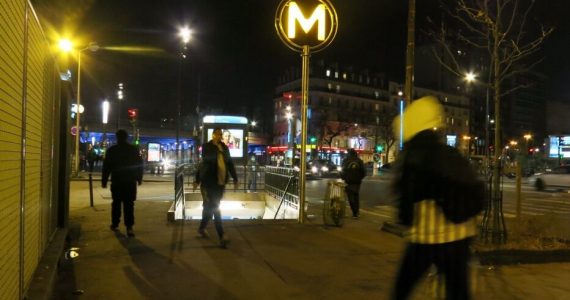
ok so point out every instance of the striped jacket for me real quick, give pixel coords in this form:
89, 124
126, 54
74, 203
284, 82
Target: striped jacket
438, 192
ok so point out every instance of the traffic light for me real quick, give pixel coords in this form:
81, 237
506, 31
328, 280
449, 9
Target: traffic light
379, 148
133, 113
312, 139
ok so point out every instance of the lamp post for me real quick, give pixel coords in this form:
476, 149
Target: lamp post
290, 134
67, 46
120, 97
185, 35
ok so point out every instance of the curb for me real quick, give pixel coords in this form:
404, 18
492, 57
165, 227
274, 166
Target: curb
514, 256
45, 276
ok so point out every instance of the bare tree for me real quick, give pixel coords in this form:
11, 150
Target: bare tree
500, 29
384, 128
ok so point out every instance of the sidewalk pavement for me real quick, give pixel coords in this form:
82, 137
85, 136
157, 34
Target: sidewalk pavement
265, 260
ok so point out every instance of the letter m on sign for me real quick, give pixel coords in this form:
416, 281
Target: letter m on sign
295, 14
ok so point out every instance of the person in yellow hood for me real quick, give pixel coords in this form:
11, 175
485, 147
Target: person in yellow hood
438, 196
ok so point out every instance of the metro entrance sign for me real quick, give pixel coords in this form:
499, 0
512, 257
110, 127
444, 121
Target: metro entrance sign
305, 34
291, 15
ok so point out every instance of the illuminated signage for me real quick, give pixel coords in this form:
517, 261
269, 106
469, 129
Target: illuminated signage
307, 23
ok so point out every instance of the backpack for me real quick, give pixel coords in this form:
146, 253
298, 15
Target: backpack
352, 172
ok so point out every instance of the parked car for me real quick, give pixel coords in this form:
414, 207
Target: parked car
557, 177
324, 168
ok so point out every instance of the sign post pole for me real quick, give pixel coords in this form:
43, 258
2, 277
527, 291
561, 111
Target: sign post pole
324, 22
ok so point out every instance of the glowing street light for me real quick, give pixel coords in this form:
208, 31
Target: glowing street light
470, 77
185, 34
67, 46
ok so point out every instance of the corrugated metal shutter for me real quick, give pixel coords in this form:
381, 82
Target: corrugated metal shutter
11, 85
34, 116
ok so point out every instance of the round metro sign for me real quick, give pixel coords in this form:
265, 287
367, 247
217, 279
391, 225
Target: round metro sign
300, 23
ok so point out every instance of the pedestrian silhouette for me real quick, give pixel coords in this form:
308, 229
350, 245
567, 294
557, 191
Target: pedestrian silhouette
438, 197
353, 171
125, 166
212, 177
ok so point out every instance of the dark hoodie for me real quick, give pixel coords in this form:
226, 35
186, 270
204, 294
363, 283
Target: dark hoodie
429, 169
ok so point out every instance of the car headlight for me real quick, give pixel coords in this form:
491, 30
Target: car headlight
324, 168
314, 169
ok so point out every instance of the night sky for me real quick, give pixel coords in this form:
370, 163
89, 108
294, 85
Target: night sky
236, 53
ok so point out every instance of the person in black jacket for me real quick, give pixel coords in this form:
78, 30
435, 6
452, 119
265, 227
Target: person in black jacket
212, 177
125, 166
438, 197
353, 171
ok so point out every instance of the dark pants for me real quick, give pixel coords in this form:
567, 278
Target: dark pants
450, 259
211, 206
353, 194
124, 194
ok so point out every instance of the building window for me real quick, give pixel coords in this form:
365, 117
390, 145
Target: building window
344, 76
279, 104
275, 118
335, 74
328, 73
444, 99
338, 88
377, 94
452, 121
367, 79
329, 85
330, 101
377, 106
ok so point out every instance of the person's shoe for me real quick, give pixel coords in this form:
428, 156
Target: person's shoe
355, 217
202, 233
224, 241
130, 232
114, 228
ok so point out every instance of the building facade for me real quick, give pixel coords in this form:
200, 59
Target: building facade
351, 109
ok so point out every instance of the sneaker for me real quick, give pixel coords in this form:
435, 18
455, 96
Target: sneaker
224, 241
202, 233
130, 232
114, 228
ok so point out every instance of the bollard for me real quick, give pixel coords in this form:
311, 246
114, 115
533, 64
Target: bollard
91, 189
518, 189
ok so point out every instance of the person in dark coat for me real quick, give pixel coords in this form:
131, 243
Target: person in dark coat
438, 197
125, 166
353, 171
212, 176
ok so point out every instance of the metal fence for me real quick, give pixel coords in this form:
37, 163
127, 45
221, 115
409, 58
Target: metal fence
282, 184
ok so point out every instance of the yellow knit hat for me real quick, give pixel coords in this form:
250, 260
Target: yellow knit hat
424, 113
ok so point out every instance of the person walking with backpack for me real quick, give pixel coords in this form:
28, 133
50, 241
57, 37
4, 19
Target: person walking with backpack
438, 196
353, 171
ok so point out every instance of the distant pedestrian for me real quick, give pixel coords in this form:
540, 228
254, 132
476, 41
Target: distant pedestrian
212, 176
438, 196
353, 171
91, 158
124, 163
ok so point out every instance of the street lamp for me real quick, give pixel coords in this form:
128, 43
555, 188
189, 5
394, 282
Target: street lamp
185, 35
67, 46
120, 96
290, 135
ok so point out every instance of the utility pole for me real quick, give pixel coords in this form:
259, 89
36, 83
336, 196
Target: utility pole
409, 84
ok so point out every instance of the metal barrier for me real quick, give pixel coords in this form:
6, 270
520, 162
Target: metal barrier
283, 184
179, 200
334, 204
